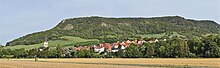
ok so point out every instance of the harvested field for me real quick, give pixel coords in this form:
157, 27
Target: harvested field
112, 63
28, 64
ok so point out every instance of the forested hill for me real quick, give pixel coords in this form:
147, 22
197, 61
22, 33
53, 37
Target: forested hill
96, 27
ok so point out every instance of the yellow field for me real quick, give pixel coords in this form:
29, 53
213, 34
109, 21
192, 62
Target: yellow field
111, 63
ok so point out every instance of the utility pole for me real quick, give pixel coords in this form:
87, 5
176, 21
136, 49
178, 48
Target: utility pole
35, 57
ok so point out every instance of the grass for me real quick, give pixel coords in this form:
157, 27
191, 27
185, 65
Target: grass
83, 43
53, 43
171, 34
111, 36
70, 41
153, 35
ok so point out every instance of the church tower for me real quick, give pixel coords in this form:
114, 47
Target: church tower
46, 42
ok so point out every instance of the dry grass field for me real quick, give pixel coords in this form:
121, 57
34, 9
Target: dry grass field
112, 63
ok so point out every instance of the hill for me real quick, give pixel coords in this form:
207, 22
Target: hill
101, 27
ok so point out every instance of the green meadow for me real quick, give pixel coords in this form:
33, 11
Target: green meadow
66, 41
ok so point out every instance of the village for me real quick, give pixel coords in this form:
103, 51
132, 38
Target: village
106, 47
114, 47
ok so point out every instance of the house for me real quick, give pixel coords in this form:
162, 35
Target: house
115, 50
115, 47
85, 48
139, 43
153, 40
116, 44
99, 48
78, 48
124, 43
134, 41
128, 42
123, 47
108, 47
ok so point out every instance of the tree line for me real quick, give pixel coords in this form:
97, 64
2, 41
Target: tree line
176, 47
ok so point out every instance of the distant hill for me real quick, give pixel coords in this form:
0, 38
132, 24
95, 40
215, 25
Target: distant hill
98, 27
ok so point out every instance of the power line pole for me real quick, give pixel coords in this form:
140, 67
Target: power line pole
35, 57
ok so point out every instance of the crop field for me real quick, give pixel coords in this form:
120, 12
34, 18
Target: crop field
112, 63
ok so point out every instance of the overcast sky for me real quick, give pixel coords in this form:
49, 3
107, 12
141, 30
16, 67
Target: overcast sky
21, 17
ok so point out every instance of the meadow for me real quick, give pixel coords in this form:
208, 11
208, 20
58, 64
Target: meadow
71, 41
66, 41
112, 63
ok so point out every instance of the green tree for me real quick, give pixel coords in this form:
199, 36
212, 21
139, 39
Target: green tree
196, 46
163, 48
1, 53
213, 50
217, 40
133, 52
60, 51
45, 53
7, 53
150, 50
121, 53
81, 54
86, 53
21, 53
33, 52
170, 51
143, 48
180, 47
52, 53
162, 51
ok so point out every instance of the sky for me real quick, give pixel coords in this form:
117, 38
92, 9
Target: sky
21, 17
